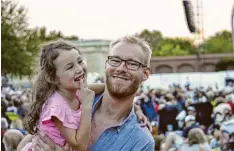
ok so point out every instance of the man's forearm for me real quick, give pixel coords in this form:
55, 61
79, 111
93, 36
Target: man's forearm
27, 139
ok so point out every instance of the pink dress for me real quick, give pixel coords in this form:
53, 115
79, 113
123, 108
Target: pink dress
56, 106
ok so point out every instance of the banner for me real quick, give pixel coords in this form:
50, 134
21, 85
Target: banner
195, 79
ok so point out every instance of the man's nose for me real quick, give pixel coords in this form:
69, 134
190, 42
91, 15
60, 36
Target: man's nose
122, 67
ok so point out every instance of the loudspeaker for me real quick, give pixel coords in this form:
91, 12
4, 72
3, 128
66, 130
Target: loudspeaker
188, 9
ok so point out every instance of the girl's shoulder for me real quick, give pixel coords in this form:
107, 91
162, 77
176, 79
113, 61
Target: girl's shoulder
56, 106
56, 100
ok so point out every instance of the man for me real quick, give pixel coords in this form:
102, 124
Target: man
114, 123
227, 135
191, 111
11, 139
190, 123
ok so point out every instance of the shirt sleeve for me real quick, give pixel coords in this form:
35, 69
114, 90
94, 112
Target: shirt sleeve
68, 120
55, 111
147, 147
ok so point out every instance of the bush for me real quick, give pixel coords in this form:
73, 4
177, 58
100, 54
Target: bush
224, 63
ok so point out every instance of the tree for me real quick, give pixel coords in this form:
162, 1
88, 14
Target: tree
44, 36
152, 37
221, 42
174, 47
18, 42
224, 64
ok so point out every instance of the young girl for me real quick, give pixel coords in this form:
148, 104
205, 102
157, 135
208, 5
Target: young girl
59, 110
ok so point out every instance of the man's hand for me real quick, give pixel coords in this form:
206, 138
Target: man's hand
27, 139
143, 119
42, 143
145, 122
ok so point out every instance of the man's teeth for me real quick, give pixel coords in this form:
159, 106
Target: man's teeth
117, 77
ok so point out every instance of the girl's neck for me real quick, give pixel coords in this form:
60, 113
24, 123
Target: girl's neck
68, 94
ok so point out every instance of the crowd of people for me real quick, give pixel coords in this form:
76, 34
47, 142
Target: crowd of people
181, 115
182, 118
177, 115
14, 106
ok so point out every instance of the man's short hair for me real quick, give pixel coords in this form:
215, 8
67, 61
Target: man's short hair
135, 40
4, 123
190, 118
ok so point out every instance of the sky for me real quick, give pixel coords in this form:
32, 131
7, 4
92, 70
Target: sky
111, 19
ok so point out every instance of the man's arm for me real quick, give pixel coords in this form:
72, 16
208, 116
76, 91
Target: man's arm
27, 139
40, 143
98, 88
148, 147
142, 117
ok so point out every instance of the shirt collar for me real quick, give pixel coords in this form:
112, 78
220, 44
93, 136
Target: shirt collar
131, 116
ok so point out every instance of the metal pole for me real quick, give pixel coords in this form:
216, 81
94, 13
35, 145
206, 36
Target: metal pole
232, 25
200, 34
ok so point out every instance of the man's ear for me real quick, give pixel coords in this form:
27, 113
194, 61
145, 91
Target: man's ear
146, 74
105, 64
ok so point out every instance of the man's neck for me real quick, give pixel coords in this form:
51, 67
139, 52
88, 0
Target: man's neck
114, 108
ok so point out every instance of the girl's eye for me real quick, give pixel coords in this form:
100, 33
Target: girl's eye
69, 67
80, 61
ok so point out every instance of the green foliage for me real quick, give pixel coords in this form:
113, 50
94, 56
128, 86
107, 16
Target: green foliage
167, 46
19, 42
152, 37
174, 47
44, 35
221, 42
224, 63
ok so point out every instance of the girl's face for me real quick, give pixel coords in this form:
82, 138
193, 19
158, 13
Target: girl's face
71, 70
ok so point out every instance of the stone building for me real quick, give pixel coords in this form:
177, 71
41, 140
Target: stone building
96, 51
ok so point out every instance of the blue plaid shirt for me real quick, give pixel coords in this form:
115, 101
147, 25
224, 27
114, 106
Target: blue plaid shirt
128, 136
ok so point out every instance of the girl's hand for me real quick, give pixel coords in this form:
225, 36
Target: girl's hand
86, 97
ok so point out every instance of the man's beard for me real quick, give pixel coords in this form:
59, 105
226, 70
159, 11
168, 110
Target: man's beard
120, 92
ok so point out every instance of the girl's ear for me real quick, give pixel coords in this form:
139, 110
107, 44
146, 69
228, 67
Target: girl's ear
52, 80
56, 80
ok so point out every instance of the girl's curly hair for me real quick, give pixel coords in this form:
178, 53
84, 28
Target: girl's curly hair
45, 84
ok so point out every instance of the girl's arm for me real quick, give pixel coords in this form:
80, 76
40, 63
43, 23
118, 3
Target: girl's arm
77, 139
98, 88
